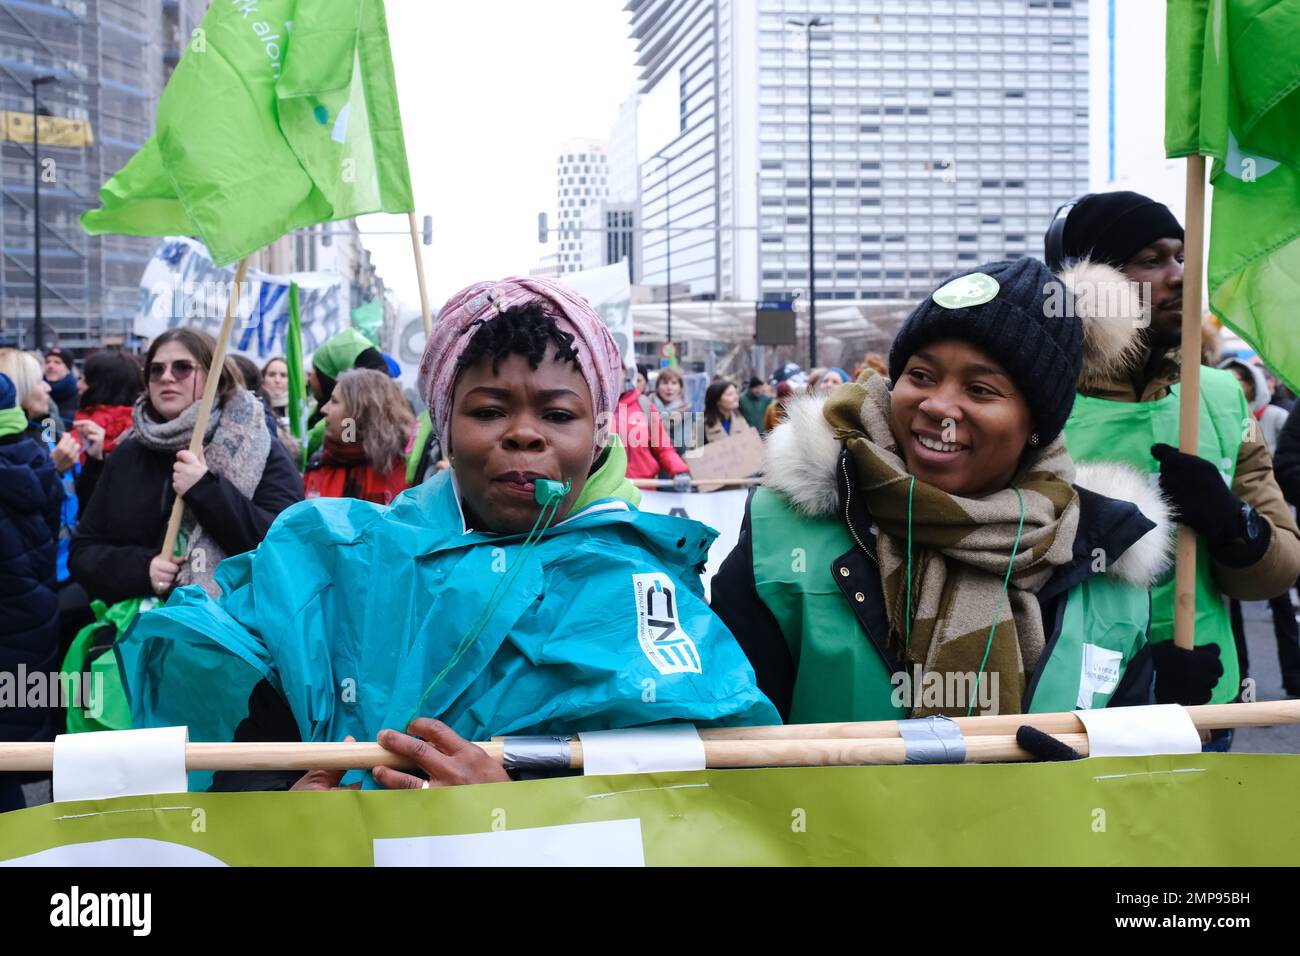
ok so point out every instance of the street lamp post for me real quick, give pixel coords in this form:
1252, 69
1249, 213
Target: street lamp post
37, 326
808, 26
668, 243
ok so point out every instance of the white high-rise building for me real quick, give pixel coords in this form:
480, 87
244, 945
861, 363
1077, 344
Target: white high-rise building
610, 230
624, 160
582, 180
945, 133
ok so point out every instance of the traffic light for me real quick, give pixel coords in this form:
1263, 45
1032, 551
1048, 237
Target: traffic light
428, 230
542, 232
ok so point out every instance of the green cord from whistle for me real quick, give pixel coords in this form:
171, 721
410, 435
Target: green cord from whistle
1005, 581
540, 526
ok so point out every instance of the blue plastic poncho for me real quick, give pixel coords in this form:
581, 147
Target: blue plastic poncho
352, 609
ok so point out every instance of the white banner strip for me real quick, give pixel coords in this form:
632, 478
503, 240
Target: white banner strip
119, 763
642, 750
1140, 731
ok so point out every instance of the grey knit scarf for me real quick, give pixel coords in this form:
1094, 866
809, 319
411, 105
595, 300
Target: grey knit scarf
235, 445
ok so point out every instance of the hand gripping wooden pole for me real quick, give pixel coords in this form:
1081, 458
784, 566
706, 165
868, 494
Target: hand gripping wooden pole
1189, 407
209, 396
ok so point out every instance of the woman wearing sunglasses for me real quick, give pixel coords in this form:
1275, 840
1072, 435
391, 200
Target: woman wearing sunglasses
233, 488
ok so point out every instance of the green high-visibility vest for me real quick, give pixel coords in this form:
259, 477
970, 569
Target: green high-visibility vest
1101, 430
840, 675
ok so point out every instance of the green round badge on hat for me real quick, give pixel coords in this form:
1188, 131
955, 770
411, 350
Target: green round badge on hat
966, 291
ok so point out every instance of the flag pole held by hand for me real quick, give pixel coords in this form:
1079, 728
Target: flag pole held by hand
209, 396
1189, 411
989, 738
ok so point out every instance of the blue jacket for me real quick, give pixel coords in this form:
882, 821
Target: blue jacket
30, 501
352, 611
70, 508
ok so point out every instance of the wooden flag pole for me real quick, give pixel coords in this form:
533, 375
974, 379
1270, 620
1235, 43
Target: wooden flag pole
419, 275
796, 745
209, 396
821, 752
666, 484
1205, 716
1189, 409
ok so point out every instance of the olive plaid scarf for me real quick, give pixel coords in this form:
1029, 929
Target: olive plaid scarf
960, 551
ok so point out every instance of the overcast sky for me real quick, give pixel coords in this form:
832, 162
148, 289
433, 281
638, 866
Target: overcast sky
490, 90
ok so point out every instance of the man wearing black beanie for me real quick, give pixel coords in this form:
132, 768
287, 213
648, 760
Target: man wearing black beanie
1248, 545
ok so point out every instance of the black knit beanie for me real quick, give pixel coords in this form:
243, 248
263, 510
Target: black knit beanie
1003, 308
1114, 227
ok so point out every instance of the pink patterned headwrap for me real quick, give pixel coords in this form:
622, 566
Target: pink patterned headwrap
598, 357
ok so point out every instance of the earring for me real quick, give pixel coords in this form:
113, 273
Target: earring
1033, 439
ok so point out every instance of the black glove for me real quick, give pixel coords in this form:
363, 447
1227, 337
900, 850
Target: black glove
1199, 493
1044, 746
1205, 504
1186, 677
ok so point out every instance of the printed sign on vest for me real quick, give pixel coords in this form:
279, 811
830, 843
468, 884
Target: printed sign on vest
664, 643
1098, 675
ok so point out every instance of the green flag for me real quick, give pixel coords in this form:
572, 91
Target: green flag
293, 359
1233, 93
281, 114
367, 320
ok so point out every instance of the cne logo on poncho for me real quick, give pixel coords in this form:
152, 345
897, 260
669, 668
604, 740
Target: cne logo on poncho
663, 641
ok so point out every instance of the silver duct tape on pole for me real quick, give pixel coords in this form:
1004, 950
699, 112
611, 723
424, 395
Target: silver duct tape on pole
932, 740
533, 754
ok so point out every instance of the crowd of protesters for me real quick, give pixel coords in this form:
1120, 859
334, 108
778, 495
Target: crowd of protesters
949, 497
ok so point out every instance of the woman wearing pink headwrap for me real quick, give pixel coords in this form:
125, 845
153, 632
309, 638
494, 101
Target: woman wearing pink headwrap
550, 366
519, 592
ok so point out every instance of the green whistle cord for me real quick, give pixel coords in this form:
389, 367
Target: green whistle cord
540, 526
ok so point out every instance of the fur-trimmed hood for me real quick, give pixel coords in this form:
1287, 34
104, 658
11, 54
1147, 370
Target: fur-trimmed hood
802, 462
1109, 305
1263, 394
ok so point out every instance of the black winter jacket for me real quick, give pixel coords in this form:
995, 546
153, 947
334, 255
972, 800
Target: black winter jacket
122, 528
31, 497
1286, 460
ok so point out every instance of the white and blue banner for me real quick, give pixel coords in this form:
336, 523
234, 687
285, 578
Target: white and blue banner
182, 286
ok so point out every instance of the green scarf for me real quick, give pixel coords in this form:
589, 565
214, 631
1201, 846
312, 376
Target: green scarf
960, 548
609, 480
12, 421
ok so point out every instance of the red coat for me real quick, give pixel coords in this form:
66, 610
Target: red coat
649, 446
114, 419
361, 480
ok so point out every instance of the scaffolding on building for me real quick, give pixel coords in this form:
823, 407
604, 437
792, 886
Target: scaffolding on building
109, 60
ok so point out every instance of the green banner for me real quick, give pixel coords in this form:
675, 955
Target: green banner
1187, 810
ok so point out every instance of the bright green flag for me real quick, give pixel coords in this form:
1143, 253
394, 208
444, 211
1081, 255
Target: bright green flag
293, 359
281, 114
1233, 93
367, 320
